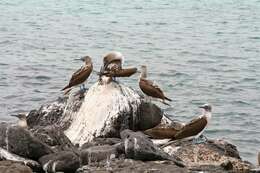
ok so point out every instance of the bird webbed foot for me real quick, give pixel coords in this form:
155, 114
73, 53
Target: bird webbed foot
200, 140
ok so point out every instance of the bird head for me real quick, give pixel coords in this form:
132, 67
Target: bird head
206, 107
113, 56
86, 59
21, 116
143, 71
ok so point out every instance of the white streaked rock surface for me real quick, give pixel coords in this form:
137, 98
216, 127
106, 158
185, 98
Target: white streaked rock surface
105, 110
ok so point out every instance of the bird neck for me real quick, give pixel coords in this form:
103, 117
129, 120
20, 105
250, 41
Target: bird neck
88, 62
143, 75
208, 114
22, 123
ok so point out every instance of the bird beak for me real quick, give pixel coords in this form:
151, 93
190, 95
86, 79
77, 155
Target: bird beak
15, 115
82, 59
201, 107
138, 71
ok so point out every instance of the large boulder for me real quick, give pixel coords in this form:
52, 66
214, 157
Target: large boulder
21, 142
65, 161
107, 110
104, 111
139, 147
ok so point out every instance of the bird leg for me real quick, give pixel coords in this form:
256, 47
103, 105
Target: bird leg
85, 89
199, 140
82, 88
114, 79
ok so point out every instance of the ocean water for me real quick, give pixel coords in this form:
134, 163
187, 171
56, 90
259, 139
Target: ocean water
198, 51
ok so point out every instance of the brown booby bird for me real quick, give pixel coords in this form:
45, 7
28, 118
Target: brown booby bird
112, 67
22, 122
196, 126
82, 74
150, 88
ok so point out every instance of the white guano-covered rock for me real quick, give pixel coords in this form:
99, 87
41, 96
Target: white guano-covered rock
106, 110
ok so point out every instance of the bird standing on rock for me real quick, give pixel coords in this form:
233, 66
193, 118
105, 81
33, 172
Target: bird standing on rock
22, 120
196, 126
150, 88
81, 75
112, 67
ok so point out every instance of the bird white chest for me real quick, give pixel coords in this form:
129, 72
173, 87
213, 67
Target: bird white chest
22, 123
208, 117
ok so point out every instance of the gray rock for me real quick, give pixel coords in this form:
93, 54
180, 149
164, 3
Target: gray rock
139, 147
255, 170
98, 153
5, 155
101, 141
65, 161
53, 137
58, 113
105, 111
21, 142
217, 154
13, 167
150, 116
132, 166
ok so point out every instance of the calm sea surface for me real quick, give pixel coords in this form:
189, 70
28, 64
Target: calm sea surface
198, 51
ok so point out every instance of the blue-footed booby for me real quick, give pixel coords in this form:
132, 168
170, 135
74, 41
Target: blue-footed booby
22, 122
150, 88
82, 74
196, 126
112, 67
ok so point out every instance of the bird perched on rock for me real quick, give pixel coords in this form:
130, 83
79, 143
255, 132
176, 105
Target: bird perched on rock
81, 75
196, 126
22, 122
150, 88
112, 67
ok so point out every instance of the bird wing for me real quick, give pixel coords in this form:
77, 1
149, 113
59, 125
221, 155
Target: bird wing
192, 128
123, 72
151, 89
81, 75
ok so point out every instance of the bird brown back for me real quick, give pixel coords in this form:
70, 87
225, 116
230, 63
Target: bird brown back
122, 72
80, 76
192, 128
151, 89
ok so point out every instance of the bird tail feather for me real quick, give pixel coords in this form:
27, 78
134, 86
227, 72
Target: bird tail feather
168, 99
66, 87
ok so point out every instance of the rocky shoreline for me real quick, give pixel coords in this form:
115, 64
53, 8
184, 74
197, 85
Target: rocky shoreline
71, 135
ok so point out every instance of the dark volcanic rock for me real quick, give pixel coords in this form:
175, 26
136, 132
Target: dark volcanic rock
13, 167
132, 166
150, 116
101, 141
98, 153
214, 153
5, 155
59, 112
139, 147
3, 134
21, 142
65, 161
53, 137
